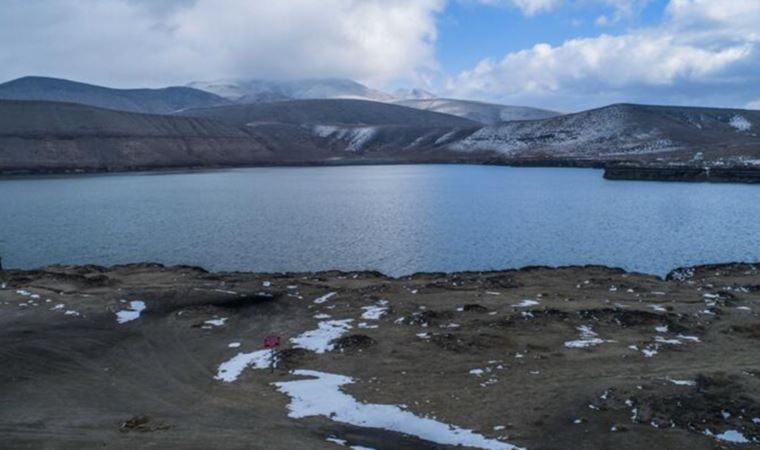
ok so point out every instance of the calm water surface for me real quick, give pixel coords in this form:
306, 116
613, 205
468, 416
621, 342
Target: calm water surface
396, 219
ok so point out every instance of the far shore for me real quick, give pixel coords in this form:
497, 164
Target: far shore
613, 170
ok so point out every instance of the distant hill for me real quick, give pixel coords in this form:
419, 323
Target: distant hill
54, 136
156, 101
328, 112
251, 91
485, 113
627, 132
355, 126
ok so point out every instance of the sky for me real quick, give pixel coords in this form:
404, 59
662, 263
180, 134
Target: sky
567, 55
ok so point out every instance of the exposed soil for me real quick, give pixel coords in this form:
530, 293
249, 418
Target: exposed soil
542, 358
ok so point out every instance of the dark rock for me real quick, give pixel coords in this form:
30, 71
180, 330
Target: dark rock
474, 307
142, 424
353, 342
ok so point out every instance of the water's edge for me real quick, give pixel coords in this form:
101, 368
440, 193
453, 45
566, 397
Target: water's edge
678, 273
613, 170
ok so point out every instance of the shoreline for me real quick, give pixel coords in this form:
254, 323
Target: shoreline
612, 170
667, 276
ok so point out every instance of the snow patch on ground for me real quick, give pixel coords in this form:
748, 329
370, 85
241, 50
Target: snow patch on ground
319, 340
653, 348
136, 307
375, 312
344, 443
588, 338
320, 395
527, 303
325, 298
216, 322
231, 369
729, 436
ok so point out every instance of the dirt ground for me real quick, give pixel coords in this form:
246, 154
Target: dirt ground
541, 358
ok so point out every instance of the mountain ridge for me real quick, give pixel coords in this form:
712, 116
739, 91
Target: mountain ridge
328, 112
51, 135
243, 91
152, 101
483, 112
626, 130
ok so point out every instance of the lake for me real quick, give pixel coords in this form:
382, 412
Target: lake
395, 219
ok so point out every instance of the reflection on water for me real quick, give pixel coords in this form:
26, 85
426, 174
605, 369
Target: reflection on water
396, 219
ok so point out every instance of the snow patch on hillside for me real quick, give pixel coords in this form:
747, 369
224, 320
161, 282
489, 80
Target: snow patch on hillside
608, 131
740, 123
355, 137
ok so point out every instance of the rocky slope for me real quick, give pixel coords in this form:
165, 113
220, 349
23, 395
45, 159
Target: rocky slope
156, 101
587, 357
640, 133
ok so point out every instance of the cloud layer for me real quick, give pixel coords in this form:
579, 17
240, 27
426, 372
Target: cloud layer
700, 52
146, 42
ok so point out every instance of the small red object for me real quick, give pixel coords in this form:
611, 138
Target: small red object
271, 341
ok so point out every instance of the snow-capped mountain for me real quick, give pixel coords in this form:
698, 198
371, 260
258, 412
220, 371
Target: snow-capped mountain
626, 131
485, 113
316, 120
252, 91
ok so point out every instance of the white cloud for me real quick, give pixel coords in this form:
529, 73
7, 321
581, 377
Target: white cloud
741, 13
134, 42
700, 48
621, 9
531, 7
704, 51
528, 7
602, 21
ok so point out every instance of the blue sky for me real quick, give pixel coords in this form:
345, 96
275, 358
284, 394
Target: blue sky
577, 54
567, 55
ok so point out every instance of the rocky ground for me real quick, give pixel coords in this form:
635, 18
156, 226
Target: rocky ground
539, 358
